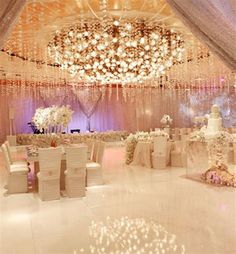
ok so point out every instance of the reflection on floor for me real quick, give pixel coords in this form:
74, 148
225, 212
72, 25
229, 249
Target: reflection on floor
202, 217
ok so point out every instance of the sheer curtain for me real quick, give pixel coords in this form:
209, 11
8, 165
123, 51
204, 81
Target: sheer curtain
9, 12
143, 112
213, 22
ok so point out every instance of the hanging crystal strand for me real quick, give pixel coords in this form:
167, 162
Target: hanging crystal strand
110, 92
117, 92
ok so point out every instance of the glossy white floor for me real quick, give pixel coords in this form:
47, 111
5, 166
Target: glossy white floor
202, 217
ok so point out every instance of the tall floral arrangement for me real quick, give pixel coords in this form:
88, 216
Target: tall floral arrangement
166, 120
63, 115
54, 116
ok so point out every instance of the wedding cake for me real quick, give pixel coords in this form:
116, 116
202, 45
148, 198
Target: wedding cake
214, 124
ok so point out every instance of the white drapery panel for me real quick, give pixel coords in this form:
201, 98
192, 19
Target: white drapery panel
112, 113
213, 22
9, 12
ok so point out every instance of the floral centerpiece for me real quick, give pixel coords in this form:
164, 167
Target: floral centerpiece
52, 117
166, 120
159, 133
197, 136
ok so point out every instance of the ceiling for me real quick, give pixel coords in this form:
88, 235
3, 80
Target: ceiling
41, 18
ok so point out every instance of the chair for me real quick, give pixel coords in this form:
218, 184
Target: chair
160, 152
177, 133
49, 173
184, 137
17, 181
94, 169
175, 137
95, 150
22, 162
76, 158
90, 145
183, 131
142, 154
12, 140
167, 130
176, 154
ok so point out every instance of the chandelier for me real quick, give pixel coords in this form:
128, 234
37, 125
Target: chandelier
116, 50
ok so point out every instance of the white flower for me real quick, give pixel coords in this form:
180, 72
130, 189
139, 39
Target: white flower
166, 119
52, 116
197, 136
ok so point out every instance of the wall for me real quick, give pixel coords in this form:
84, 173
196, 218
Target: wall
141, 110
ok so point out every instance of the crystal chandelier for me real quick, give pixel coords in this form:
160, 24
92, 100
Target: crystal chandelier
116, 50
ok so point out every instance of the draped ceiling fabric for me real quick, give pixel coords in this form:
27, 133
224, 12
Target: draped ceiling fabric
9, 12
213, 22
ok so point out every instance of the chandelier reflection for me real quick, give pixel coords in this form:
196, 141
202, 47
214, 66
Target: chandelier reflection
131, 236
116, 51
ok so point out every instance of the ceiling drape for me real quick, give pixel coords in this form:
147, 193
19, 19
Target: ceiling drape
9, 12
213, 22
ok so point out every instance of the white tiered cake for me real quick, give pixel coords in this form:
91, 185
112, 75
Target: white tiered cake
214, 124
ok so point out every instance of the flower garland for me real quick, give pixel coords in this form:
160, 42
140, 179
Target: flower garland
75, 138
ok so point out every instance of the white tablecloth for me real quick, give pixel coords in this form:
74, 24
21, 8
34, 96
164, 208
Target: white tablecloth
143, 153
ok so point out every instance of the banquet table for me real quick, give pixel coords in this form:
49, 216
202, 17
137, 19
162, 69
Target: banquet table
32, 157
143, 153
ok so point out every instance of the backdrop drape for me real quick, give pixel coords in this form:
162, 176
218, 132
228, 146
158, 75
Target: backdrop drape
213, 22
9, 12
142, 111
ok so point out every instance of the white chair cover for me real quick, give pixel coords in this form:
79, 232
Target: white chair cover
100, 152
49, 173
12, 140
160, 146
167, 130
176, 154
142, 154
159, 156
183, 131
95, 150
76, 158
50, 162
22, 162
94, 169
17, 175
90, 144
